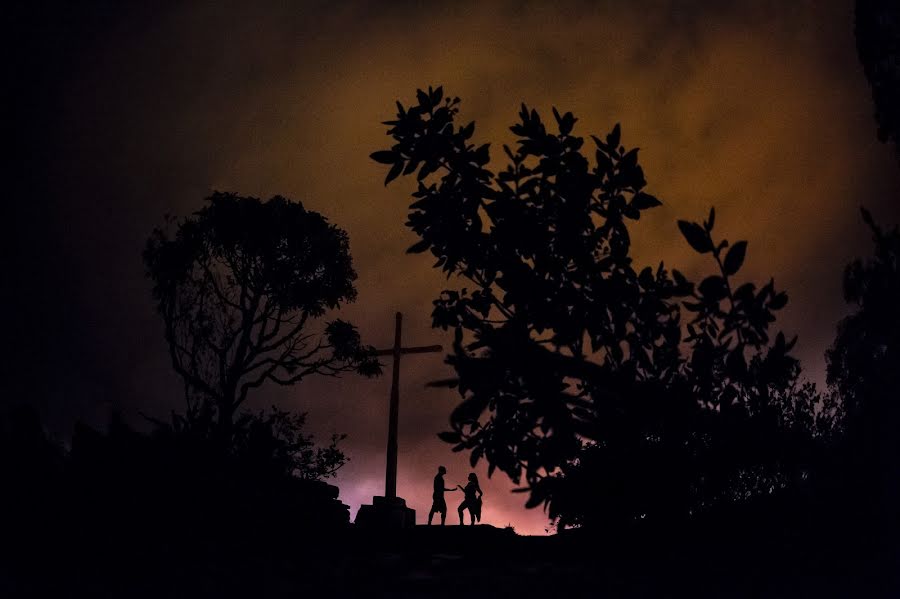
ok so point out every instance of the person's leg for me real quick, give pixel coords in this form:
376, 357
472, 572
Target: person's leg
430, 516
444, 516
460, 510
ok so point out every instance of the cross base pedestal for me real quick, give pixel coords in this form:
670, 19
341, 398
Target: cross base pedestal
388, 513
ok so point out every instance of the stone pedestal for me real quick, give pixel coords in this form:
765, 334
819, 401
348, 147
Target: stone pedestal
386, 513
318, 502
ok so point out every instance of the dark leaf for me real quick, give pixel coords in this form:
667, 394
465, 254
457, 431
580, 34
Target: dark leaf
475, 456
696, 236
646, 278
735, 257
629, 160
867, 217
411, 166
745, 292
482, 155
779, 301
642, 201
419, 247
469, 409
612, 140
449, 436
424, 100
394, 172
537, 497
779, 342
384, 156
790, 344
713, 288
556, 115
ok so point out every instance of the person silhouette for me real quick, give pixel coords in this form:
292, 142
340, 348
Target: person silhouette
439, 505
472, 502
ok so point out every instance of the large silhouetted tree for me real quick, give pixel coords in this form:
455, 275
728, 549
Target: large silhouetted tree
239, 284
564, 351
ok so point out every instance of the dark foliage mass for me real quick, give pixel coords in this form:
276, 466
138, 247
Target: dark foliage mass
161, 514
863, 367
861, 361
878, 45
238, 285
618, 393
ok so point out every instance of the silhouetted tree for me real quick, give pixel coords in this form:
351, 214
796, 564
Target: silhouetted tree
863, 367
878, 45
563, 350
238, 285
868, 341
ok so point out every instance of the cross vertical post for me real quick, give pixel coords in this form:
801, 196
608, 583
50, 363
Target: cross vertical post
391, 511
390, 479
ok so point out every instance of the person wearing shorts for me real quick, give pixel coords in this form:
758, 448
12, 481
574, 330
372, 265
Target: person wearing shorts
439, 505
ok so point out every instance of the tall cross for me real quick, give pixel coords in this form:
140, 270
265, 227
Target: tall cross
390, 479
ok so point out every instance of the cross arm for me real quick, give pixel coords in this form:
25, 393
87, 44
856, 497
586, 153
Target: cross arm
427, 349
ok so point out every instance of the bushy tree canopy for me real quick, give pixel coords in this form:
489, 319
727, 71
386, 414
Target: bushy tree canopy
563, 344
238, 284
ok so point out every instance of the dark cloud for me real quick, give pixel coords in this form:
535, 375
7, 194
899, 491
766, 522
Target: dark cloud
757, 108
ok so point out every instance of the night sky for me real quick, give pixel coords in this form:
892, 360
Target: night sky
121, 116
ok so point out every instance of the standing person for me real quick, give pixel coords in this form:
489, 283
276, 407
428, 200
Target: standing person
472, 502
439, 505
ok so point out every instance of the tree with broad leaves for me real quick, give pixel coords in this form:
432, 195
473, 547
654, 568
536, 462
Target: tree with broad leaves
562, 346
238, 284
862, 367
868, 341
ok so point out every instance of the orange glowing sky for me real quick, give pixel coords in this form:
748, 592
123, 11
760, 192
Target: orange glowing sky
760, 109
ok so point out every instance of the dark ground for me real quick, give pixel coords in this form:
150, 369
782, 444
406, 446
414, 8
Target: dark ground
489, 562
455, 561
